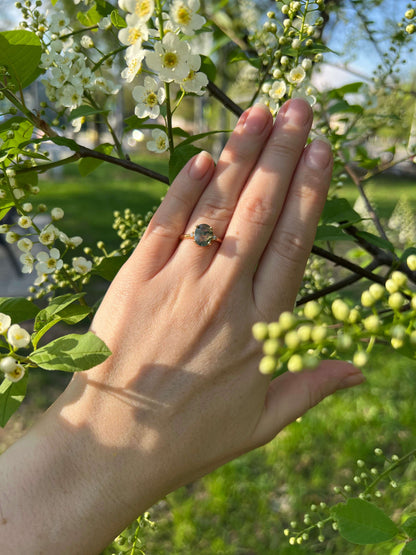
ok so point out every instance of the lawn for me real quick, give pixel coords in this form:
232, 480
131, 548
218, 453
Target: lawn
243, 507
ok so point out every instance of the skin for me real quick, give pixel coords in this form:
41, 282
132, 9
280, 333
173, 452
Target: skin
181, 393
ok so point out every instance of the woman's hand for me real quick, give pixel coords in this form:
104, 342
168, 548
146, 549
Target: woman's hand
181, 393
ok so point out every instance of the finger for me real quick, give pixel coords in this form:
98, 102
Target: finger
292, 394
293, 236
262, 199
162, 235
217, 204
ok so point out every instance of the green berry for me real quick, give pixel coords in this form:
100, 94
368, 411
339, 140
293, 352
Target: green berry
260, 331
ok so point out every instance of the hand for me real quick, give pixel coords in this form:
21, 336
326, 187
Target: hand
181, 393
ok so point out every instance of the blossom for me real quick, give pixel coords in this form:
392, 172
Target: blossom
77, 123
27, 206
49, 263
105, 24
134, 64
183, 13
25, 244
8, 364
170, 58
58, 22
196, 80
148, 97
135, 33
57, 213
27, 260
141, 8
81, 265
17, 374
160, 141
25, 222
86, 41
11, 237
18, 337
48, 234
71, 242
5, 322
297, 75
278, 90
70, 96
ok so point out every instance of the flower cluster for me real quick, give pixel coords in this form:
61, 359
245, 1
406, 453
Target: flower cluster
289, 48
16, 338
386, 312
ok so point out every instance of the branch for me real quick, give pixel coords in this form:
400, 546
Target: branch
224, 99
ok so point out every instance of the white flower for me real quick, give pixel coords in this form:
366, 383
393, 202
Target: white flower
86, 41
4, 228
141, 8
49, 263
105, 24
196, 80
40, 279
5, 322
25, 222
8, 364
18, 193
135, 33
160, 141
183, 13
278, 90
48, 234
27, 206
11, 237
17, 374
81, 265
148, 97
77, 123
297, 75
57, 213
58, 22
70, 96
170, 59
25, 244
134, 64
27, 260
18, 337
71, 242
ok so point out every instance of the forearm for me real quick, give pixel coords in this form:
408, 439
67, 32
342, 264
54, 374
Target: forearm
59, 487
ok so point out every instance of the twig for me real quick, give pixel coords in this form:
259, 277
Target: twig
224, 99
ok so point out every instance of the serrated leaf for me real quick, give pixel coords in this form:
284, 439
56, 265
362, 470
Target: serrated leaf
363, 523
18, 308
117, 20
88, 165
108, 267
71, 353
409, 526
410, 548
339, 210
20, 53
331, 233
56, 305
11, 397
181, 155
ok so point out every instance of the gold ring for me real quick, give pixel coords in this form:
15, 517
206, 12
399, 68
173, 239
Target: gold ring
203, 235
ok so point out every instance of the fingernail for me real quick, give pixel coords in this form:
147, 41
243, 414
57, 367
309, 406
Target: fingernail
318, 155
256, 119
200, 165
352, 380
295, 111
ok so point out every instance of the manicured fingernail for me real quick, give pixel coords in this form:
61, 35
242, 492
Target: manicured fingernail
295, 111
256, 119
318, 155
200, 165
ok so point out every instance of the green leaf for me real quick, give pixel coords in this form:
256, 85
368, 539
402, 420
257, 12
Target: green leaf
350, 88
108, 267
71, 353
410, 548
362, 522
409, 526
88, 165
179, 158
344, 107
339, 210
11, 397
57, 305
331, 233
84, 111
22, 134
208, 67
18, 308
20, 52
375, 240
95, 14
63, 141
117, 20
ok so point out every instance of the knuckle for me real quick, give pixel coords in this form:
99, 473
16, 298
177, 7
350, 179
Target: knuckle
291, 247
283, 146
213, 210
258, 210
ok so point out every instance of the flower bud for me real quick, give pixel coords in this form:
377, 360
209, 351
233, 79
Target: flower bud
396, 343
318, 334
259, 331
372, 323
354, 316
396, 301
391, 286
399, 278
267, 365
271, 347
377, 291
344, 342
304, 333
275, 330
340, 310
295, 363
8, 364
360, 359
292, 339
409, 14
411, 262
367, 299
287, 320
16, 374
312, 309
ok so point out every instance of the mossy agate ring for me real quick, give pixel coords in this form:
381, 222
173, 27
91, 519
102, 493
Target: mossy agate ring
203, 235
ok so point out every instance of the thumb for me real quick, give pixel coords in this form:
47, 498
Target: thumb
292, 394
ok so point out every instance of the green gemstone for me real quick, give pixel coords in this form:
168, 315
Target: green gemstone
203, 235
